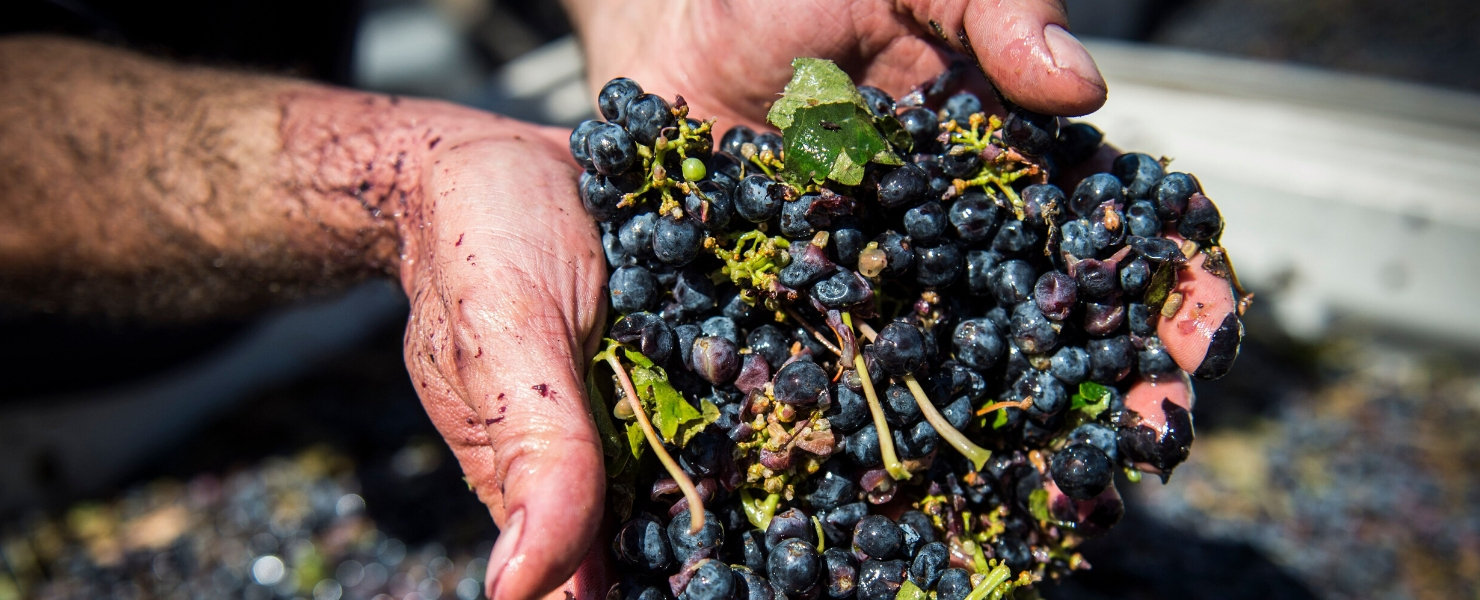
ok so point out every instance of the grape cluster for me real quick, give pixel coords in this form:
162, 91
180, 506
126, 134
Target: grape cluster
914, 386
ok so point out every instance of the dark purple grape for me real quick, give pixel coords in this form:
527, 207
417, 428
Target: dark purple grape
646, 332
930, 562
1096, 279
898, 253
753, 549
771, 141
849, 410
1031, 331
899, 406
770, 343
794, 567
1140, 319
809, 263
841, 573
937, 266
959, 163
833, 489
794, 217
922, 126
1135, 276
1103, 317
900, 349
800, 383
750, 586
714, 208
954, 584
614, 98
1014, 552
881, 579
960, 107
1106, 228
789, 524
918, 441
726, 170
1155, 363
1093, 191
1081, 471
647, 116
926, 223
1041, 203
847, 515
845, 289
877, 537
694, 293
904, 187
1139, 173
702, 456
863, 447
879, 103
601, 194
978, 343
677, 241
1096, 435
1110, 359
958, 413
1030, 133
1048, 394
1055, 292
1201, 222
1222, 349
1078, 142
736, 137
641, 543
753, 199
1074, 239
616, 255
1012, 282
685, 543
712, 580
1171, 195
979, 266
917, 524
973, 215
637, 234
632, 289
1141, 220
686, 334
579, 149
1070, 365
1015, 237
612, 150
716, 359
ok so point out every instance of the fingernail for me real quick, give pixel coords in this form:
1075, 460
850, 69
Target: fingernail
503, 550
1070, 55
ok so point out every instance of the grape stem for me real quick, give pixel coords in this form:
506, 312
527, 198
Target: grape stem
696, 504
976, 454
995, 578
1021, 405
892, 465
791, 312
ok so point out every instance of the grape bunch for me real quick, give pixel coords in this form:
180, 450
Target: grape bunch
892, 351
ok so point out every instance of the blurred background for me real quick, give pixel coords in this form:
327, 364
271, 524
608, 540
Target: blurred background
286, 455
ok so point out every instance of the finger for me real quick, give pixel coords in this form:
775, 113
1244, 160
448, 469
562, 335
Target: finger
1160, 435
592, 579
1025, 48
1199, 322
514, 294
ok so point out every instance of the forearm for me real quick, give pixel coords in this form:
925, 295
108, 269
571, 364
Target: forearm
134, 186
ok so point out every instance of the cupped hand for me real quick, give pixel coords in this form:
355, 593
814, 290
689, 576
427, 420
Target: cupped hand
505, 273
729, 59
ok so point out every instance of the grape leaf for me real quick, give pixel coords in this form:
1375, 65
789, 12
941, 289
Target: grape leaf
832, 141
1001, 420
910, 591
1092, 398
636, 439
1038, 505
708, 413
1161, 286
814, 82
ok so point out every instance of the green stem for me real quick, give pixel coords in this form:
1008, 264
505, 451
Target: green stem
696, 504
886, 440
995, 578
976, 454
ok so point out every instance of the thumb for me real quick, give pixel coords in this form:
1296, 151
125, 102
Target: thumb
1026, 49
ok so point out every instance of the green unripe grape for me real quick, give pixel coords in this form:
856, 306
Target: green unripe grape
693, 169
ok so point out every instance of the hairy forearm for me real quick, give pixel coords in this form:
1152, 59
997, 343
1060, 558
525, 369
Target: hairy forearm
138, 187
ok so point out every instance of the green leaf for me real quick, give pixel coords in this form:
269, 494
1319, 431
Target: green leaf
1001, 420
894, 133
635, 439
669, 408
1161, 286
814, 82
611, 440
637, 358
1092, 398
910, 591
832, 141
1038, 505
708, 413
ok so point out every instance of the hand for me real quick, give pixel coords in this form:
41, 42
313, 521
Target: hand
505, 272
730, 59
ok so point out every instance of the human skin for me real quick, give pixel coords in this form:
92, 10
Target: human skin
136, 187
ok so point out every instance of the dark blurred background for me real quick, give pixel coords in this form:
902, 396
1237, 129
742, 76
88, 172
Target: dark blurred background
1340, 137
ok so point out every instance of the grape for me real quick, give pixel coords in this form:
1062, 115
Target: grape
636, 234
903, 187
930, 562
841, 573
749, 586
611, 149
1155, 363
1043, 203
900, 408
770, 343
1055, 293
1081, 471
578, 143
769, 141
938, 265
647, 332
954, 584
1171, 195
959, 107
1096, 435
1074, 239
647, 116
1201, 222
716, 359
712, 580
1156, 249
881, 579
1135, 276
900, 349
1139, 317
1110, 359
1096, 279
833, 490
790, 524
922, 126
694, 293
1049, 397
1015, 237
725, 170
844, 289
642, 544
614, 98
925, 223
1141, 220
736, 137
1012, 282
847, 241
863, 447
1103, 317
978, 343
753, 199
1095, 190
684, 543
800, 383
1031, 331
877, 537
808, 264
1077, 143
974, 215
601, 194
676, 241
1014, 552
794, 213
919, 442
958, 413
1139, 173
632, 289
1028, 132
897, 253
794, 567
960, 162
879, 103
979, 266
1070, 365
686, 334
849, 410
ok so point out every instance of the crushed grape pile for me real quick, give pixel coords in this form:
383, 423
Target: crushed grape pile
889, 352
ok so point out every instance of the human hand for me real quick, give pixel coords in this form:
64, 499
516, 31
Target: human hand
505, 275
730, 59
